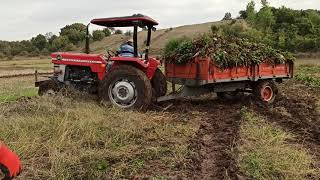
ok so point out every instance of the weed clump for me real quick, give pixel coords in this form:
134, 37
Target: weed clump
264, 152
225, 51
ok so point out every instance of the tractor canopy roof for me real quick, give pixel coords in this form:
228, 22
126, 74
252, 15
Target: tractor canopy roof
127, 21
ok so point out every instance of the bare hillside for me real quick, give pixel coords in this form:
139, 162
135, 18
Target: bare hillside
159, 38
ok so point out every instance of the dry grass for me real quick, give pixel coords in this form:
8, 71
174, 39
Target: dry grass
12, 89
24, 66
66, 138
307, 62
265, 152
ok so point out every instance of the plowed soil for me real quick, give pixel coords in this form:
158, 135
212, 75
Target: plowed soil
215, 139
295, 110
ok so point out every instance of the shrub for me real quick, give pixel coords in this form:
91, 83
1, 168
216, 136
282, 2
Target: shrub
128, 33
118, 31
2, 56
98, 35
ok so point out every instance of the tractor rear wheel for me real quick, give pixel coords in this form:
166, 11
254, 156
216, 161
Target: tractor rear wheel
126, 87
159, 84
48, 87
265, 91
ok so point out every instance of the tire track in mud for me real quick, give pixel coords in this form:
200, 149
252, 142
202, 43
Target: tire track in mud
295, 110
215, 139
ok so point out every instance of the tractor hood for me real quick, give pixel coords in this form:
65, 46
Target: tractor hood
78, 57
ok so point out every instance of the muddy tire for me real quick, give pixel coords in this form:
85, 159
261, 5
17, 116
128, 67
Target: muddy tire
159, 84
4, 173
126, 87
48, 87
265, 92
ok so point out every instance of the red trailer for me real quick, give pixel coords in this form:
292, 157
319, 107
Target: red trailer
202, 75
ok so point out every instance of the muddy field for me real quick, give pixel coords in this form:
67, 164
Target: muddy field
296, 110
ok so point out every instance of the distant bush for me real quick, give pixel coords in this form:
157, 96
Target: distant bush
128, 33
98, 35
24, 54
2, 56
107, 32
45, 52
118, 31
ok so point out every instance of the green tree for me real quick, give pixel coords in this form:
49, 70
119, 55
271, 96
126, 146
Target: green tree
75, 32
39, 41
107, 32
98, 35
61, 43
243, 14
227, 16
314, 17
265, 18
305, 26
251, 13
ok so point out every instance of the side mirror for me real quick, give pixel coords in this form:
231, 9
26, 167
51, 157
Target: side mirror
154, 29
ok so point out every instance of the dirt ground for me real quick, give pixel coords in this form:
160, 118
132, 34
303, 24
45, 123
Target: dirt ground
295, 110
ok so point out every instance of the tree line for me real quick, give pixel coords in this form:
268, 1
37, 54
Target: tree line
68, 39
282, 28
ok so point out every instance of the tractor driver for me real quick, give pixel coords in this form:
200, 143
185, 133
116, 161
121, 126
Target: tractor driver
126, 49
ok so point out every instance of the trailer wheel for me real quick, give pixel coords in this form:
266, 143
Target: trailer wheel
265, 91
48, 87
126, 87
159, 84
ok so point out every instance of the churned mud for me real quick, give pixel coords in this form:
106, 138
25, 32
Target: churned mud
296, 110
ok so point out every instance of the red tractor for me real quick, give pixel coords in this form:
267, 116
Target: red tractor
133, 82
127, 82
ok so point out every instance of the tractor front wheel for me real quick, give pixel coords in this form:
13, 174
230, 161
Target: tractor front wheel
265, 91
126, 87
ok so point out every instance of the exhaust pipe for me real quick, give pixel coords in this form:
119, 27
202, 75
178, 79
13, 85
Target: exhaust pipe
87, 50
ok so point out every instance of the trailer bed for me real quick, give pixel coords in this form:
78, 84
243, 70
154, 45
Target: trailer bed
203, 71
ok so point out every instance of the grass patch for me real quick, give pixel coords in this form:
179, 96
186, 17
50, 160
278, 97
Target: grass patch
25, 66
264, 152
12, 89
64, 138
309, 75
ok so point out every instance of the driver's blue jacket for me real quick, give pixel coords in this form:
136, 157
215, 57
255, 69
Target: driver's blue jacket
126, 50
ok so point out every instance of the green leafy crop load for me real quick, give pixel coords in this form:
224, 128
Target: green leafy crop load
226, 51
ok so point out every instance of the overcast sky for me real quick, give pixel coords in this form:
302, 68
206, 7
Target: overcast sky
23, 19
